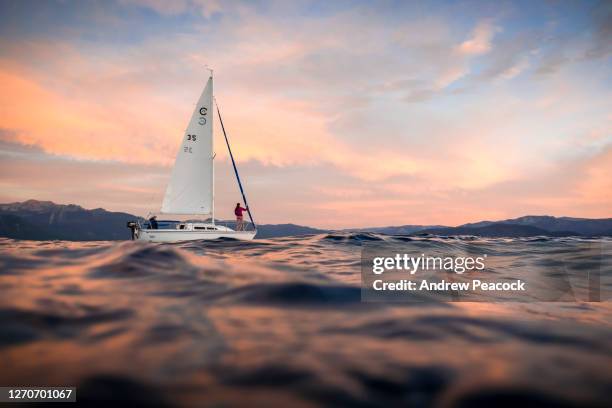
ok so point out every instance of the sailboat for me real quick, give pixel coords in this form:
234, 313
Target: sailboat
190, 192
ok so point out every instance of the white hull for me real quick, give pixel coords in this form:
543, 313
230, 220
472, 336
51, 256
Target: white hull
170, 235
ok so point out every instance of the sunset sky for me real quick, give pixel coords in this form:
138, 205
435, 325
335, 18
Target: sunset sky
341, 114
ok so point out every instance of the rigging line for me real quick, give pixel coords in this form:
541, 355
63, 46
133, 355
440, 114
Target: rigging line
235, 168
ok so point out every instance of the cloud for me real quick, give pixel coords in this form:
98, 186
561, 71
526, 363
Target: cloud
601, 18
552, 63
27, 172
172, 8
480, 41
515, 69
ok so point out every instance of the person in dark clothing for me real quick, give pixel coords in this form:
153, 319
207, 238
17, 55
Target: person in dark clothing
239, 219
153, 222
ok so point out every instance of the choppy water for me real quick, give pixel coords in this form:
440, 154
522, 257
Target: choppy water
281, 321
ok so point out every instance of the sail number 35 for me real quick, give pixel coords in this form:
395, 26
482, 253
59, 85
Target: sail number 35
191, 138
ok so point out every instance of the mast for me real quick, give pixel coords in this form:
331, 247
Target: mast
229, 149
212, 151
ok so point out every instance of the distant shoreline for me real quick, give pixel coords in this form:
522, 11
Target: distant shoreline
45, 220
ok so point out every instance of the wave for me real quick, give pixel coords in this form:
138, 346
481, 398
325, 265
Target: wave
281, 321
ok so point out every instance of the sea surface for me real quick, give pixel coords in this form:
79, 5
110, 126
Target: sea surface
280, 322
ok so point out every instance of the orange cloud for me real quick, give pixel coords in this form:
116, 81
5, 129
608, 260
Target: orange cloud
596, 187
101, 117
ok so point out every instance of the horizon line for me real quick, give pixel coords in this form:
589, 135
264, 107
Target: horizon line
321, 228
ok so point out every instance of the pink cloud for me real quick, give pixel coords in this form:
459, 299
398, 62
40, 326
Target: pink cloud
480, 40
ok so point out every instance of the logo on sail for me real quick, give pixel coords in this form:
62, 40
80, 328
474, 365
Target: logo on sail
203, 112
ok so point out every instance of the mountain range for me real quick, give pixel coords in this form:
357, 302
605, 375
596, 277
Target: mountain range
45, 220
42, 220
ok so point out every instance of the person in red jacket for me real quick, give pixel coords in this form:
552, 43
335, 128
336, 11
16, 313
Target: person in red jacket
239, 220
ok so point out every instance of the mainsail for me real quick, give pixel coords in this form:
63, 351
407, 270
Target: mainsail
190, 190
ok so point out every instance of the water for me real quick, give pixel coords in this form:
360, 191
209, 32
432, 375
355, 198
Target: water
280, 321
